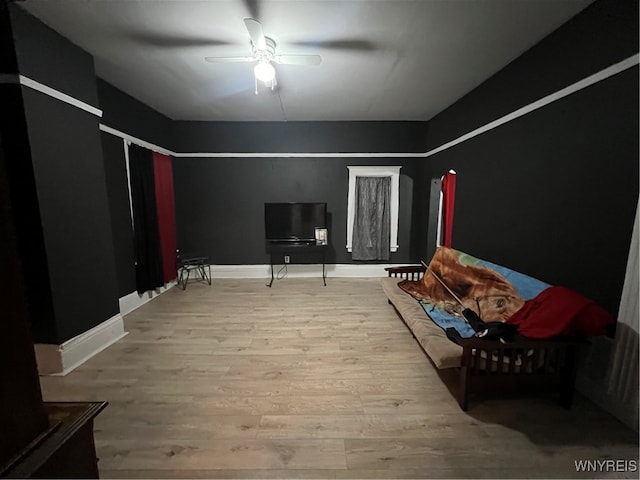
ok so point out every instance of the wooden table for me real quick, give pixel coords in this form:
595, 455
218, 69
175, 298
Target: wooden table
64, 450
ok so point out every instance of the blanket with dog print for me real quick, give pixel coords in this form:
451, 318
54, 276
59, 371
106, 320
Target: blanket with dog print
497, 293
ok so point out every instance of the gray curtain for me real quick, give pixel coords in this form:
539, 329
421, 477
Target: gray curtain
372, 220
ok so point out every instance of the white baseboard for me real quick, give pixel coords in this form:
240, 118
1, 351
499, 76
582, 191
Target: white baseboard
61, 359
134, 300
300, 271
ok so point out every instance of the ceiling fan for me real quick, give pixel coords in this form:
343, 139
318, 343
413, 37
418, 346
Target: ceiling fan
264, 54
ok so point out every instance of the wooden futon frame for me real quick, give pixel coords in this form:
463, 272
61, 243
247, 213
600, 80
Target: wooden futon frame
486, 366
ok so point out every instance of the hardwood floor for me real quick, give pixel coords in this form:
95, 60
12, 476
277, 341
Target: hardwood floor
236, 380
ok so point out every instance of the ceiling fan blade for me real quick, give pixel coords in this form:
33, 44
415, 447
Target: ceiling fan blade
298, 59
253, 7
354, 44
254, 28
229, 59
167, 40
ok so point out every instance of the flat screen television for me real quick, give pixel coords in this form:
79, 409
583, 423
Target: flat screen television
293, 222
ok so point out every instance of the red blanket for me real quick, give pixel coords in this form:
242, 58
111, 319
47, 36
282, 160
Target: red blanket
560, 311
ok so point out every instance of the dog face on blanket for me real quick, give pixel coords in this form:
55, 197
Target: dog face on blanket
498, 307
479, 288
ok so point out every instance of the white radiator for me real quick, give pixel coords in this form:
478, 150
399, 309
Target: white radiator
623, 381
611, 368
624, 371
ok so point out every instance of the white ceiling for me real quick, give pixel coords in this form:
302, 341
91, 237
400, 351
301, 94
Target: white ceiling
381, 59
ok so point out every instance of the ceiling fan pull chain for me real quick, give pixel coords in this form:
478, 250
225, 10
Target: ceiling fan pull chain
256, 83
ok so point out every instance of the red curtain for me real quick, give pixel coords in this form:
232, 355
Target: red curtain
163, 172
448, 200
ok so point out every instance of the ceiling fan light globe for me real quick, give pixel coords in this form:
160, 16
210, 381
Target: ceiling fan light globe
264, 72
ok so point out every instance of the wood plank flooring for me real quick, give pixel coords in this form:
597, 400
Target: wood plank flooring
237, 380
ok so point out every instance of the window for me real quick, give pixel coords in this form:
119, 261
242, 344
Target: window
369, 171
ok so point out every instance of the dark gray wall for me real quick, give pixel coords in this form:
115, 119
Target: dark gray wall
26, 211
22, 189
128, 115
217, 198
311, 137
70, 180
220, 203
553, 194
603, 34
66, 158
115, 170
47, 57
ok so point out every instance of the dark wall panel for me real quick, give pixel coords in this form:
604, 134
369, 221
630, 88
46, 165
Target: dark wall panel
115, 170
70, 179
26, 212
553, 194
603, 34
220, 203
48, 58
130, 116
309, 137
8, 59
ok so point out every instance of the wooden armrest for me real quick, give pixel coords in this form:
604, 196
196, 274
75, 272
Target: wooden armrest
406, 268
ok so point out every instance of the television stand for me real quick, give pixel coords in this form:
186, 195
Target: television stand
278, 250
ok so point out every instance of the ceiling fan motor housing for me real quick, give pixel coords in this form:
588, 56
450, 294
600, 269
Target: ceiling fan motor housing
266, 54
